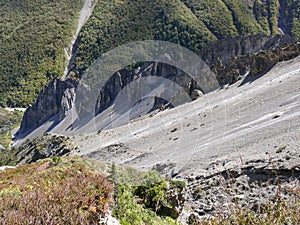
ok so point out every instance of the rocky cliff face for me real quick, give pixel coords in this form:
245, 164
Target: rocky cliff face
257, 64
54, 99
224, 50
231, 58
122, 78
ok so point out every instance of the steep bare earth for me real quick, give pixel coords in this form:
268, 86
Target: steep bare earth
235, 123
252, 55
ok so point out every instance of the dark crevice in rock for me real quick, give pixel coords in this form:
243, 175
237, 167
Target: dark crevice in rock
262, 174
124, 77
283, 19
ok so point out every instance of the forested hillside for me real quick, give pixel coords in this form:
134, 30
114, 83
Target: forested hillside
191, 23
33, 34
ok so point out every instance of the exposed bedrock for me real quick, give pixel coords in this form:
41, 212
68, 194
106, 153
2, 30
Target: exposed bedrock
229, 60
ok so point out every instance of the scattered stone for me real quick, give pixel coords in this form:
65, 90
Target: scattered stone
281, 149
252, 185
275, 116
196, 94
175, 129
226, 86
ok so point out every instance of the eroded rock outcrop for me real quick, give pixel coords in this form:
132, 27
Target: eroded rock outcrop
253, 184
122, 78
42, 147
54, 99
255, 65
231, 58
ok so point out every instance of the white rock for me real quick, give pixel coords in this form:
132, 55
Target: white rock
2, 168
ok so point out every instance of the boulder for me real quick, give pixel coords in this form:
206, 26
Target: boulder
196, 94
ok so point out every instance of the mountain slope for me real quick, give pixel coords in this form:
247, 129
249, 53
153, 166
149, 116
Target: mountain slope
246, 120
193, 24
33, 35
119, 22
229, 60
238, 145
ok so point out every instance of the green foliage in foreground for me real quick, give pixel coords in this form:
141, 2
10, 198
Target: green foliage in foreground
33, 35
71, 190
139, 196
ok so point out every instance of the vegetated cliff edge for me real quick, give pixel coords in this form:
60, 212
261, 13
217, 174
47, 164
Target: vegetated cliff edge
229, 59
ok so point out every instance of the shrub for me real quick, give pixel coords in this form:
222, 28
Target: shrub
66, 192
135, 192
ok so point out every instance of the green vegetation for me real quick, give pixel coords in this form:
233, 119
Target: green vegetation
190, 23
129, 212
66, 191
244, 19
38, 148
8, 122
33, 35
72, 190
215, 15
119, 22
142, 198
291, 13
273, 13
